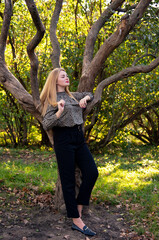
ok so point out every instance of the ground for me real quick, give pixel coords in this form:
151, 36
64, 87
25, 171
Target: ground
24, 217
27, 215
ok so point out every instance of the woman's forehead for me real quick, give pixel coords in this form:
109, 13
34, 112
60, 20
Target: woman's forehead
62, 73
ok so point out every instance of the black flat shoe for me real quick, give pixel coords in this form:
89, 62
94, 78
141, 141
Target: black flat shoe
85, 230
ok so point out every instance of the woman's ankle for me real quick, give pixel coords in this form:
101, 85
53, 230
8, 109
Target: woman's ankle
80, 208
78, 222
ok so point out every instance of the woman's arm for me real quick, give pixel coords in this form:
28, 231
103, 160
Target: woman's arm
80, 95
60, 105
52, 115
50, 118
83, 101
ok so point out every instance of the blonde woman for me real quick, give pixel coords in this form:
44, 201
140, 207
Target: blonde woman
63, 112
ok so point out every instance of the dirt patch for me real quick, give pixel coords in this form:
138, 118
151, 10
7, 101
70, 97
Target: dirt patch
22, 220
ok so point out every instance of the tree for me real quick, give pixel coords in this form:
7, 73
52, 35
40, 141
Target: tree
14, 120
93, 61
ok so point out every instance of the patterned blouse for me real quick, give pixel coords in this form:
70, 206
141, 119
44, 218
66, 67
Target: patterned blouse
72, 114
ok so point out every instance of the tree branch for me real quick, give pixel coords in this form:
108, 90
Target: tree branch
131, 71
93, 119
86, 13
5, 27
30, 49
141, 137
127, 9
137, 114
110, 44
145, 55
1, 15
92, 36
55, 56
111, 132
8, 80
76, 12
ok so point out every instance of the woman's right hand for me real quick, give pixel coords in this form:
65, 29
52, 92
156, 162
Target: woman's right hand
60, 105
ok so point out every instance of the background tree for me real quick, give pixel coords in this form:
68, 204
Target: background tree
103, 37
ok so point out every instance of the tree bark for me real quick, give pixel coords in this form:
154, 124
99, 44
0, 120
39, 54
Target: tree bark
5, 27
93, 33
30, 49
55, 56
8, 80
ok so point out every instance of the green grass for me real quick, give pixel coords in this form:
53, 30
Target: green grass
128, 176
31, 169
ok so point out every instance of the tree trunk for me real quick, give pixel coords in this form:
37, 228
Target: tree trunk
45, 140
59, 201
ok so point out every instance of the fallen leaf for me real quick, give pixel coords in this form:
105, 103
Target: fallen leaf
119, 219
119, 206
57, 227
35, 188
25, 221
66, 236
41, 204
127, 206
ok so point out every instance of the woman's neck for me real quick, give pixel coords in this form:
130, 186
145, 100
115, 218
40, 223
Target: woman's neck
60, 89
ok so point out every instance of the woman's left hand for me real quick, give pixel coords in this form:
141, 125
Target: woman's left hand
83, 102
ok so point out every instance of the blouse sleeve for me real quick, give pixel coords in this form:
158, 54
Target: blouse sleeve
50, 119
80, 95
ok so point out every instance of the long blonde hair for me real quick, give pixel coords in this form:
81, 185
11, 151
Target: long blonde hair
48, 94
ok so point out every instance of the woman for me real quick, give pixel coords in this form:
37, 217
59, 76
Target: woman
62, 111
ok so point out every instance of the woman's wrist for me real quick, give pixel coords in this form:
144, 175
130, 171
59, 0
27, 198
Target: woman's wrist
87, 98
58, 114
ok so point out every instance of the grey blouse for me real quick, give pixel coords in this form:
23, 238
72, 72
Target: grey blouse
72, 114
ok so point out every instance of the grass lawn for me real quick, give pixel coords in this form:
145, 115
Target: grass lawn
128, 177
32, 169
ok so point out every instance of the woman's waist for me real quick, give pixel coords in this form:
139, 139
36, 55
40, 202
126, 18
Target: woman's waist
68, 135
76, 127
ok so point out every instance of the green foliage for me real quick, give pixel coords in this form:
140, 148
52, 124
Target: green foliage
122, 99
17, 126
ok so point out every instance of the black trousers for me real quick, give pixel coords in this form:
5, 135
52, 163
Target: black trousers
71, 149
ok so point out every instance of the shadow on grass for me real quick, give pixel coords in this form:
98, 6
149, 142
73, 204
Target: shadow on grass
131, 179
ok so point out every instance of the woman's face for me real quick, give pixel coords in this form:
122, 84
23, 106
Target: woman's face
62, 81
